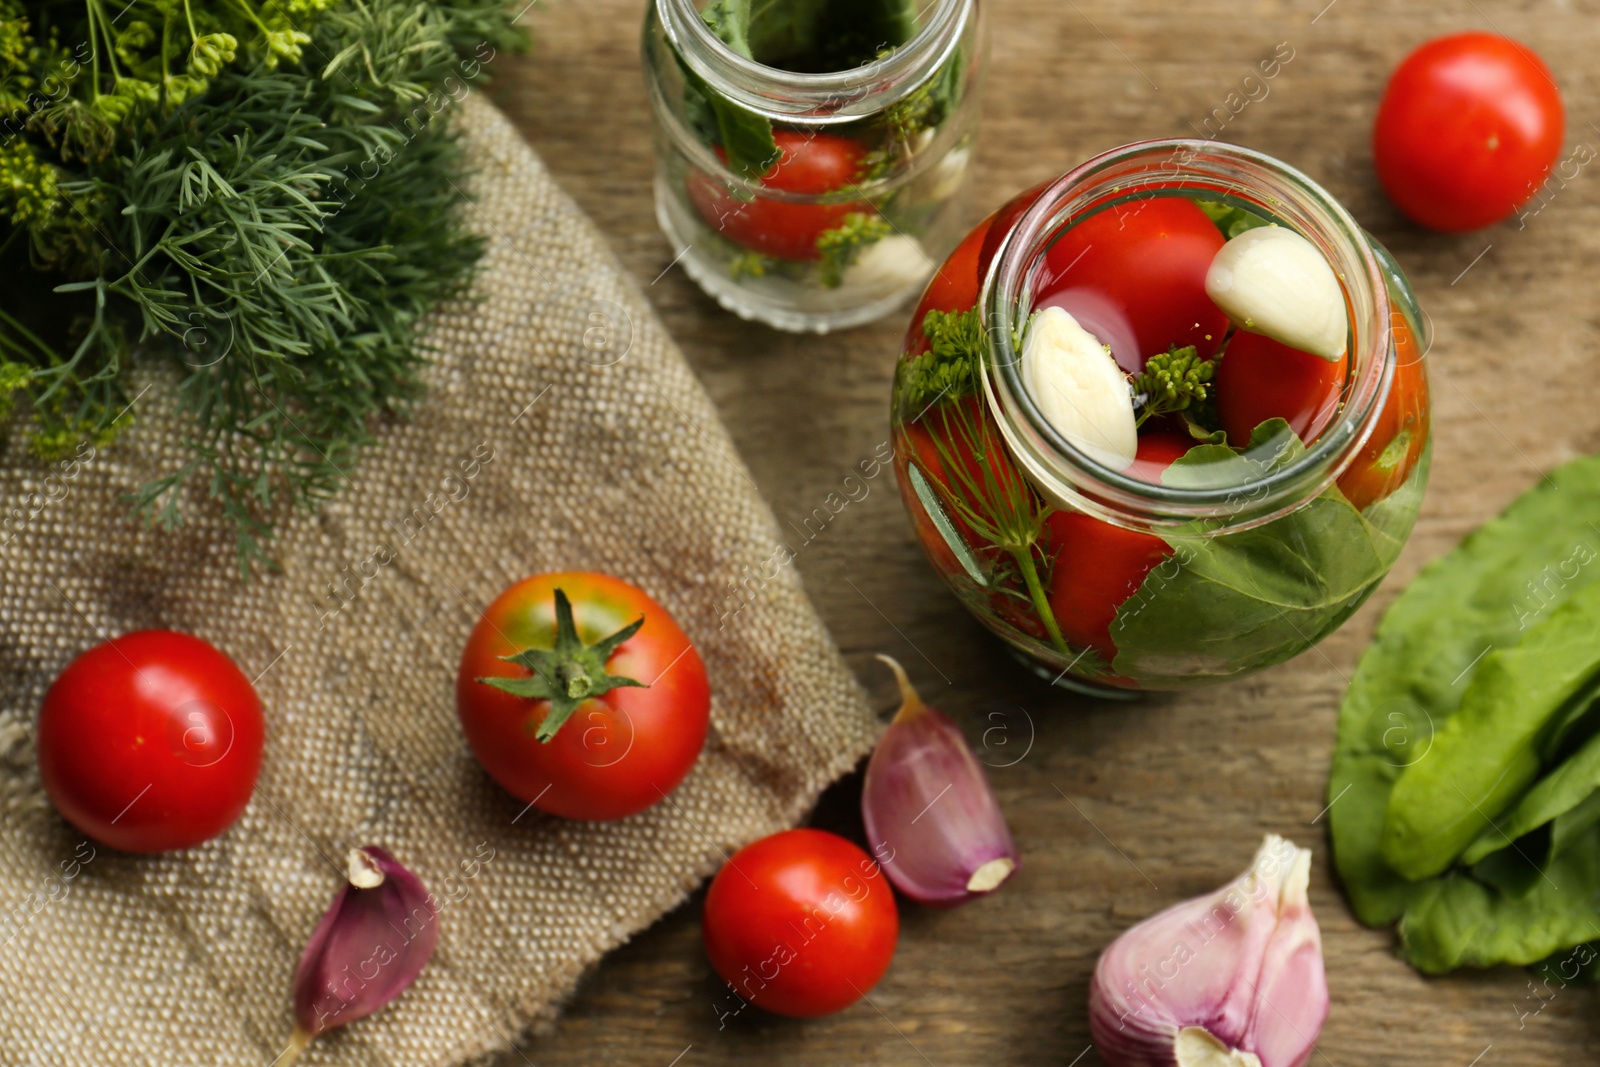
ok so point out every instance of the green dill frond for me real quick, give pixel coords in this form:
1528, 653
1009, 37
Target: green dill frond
1173, 381
948, 370
215, 190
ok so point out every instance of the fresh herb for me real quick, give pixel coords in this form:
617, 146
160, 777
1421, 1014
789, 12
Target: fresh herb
1487, 754
970, 482
1173, 381
807, 36
1231, 220
211, 204
841, 245
745, 136
1528, 887
924, 109
948, 370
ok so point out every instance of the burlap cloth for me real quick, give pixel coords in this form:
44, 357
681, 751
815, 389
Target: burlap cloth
606, 455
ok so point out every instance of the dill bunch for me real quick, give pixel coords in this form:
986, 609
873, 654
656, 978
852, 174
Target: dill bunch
266, 197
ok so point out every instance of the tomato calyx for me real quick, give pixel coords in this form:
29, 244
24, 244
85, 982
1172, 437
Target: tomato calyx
569, 673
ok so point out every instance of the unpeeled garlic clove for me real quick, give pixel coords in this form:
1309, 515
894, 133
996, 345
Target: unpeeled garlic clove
1231, 979
1272, 281
1079, 389
932, 821
376, 937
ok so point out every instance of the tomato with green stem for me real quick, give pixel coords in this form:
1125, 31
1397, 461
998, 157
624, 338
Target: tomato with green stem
582, 696
809, 165
801, 923
151, 741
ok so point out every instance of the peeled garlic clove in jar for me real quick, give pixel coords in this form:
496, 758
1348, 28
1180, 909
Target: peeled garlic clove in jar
1272, 281
1079, 389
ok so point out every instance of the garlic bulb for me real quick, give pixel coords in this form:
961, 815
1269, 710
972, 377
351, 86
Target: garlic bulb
1079, 388
1272, 281
1231, 979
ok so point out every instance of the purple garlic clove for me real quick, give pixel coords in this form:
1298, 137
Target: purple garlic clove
1231, 979
932, 820
376, 937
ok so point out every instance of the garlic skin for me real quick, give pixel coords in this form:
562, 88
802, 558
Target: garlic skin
1079, 388
932, 821
889, 264
1272, 281
1231, 979
377, 935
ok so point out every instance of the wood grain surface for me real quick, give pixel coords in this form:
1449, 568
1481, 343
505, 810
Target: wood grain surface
1119, 809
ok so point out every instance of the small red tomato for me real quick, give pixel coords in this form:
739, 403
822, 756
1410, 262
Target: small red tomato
801, 923
1099, 565
958, 281
151, 741
1134, 275
1469, 127
1401, 432
809, 165
631, 712
1260, 379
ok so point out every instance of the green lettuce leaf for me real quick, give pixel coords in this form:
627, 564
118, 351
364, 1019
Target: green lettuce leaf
1486, 594
1487, 754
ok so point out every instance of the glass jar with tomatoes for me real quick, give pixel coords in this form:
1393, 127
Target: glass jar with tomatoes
812, 153
1194, 498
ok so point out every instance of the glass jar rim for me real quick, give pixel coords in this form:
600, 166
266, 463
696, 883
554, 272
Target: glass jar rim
1067, 474
826, 98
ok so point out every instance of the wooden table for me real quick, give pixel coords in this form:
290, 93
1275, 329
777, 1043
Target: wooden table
1119, 810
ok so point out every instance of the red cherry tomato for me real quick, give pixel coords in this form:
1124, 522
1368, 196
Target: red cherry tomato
1395, 446
1260, 379
801, 923
150, 741
809, 165
622, 749
1098, 565
957, 283
1469, 127
1134, 275
1158, 450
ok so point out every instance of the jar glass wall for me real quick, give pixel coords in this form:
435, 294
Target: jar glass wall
1259, 510
811, 158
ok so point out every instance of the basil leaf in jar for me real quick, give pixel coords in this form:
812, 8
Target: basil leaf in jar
1248, 599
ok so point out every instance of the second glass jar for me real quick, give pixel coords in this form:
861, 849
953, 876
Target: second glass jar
811, 154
